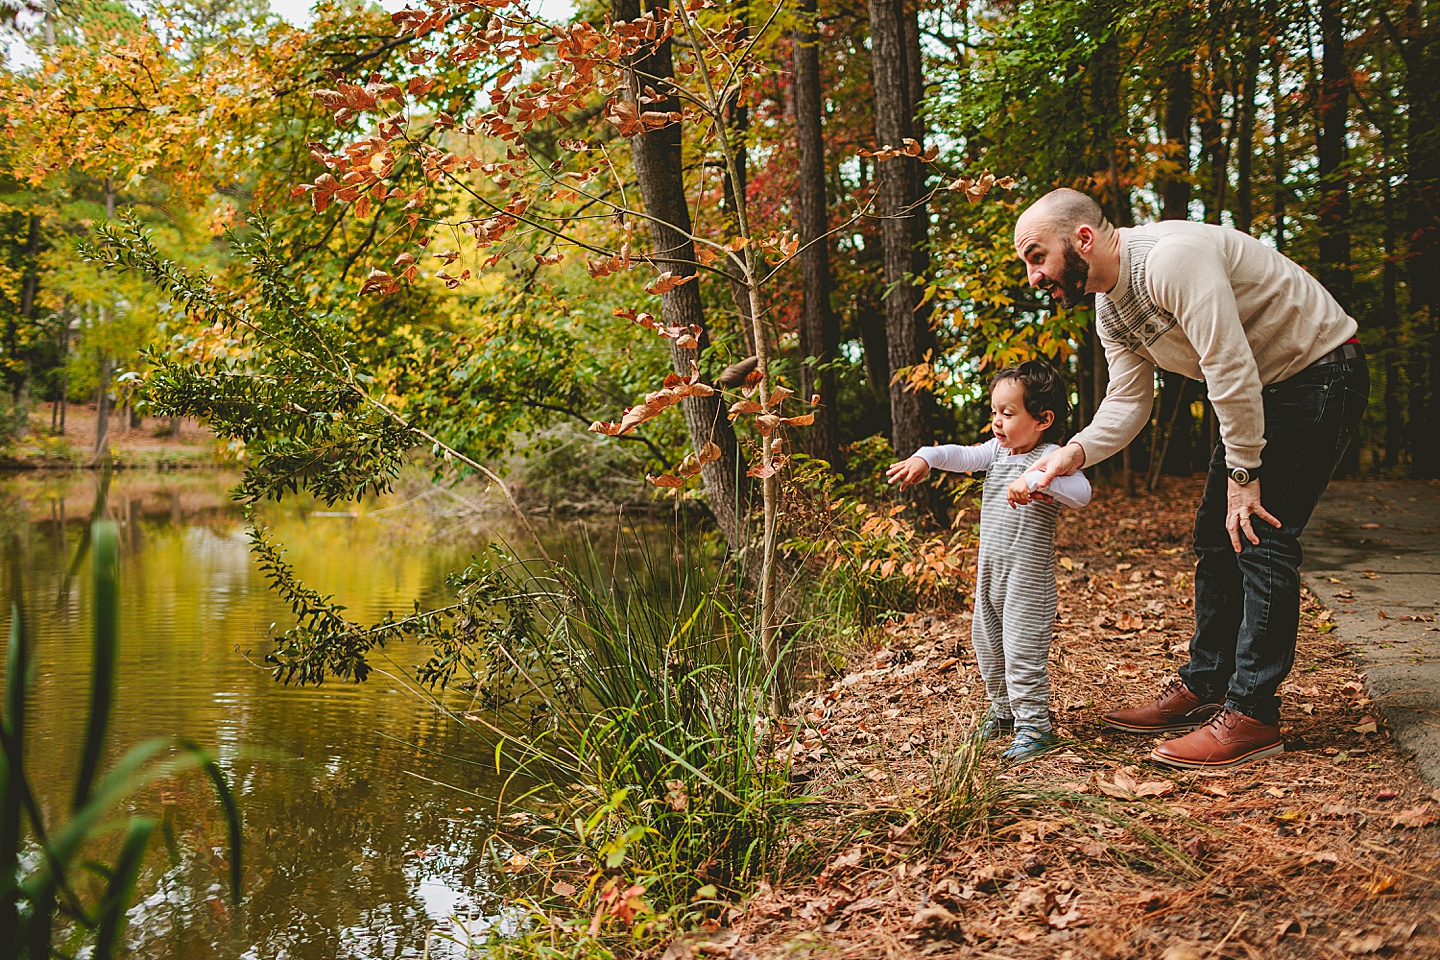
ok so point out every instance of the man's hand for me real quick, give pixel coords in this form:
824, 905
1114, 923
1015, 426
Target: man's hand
1243, 503
907, 472
1060, 462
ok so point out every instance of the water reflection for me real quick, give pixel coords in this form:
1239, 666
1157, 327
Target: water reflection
347, 854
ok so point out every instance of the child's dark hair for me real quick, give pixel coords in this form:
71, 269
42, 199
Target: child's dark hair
1044, 390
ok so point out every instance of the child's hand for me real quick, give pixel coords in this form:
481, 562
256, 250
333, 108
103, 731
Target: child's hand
907, 471
1019, 493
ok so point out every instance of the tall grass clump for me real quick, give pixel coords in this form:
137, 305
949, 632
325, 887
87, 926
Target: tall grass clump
49, 889
659, 762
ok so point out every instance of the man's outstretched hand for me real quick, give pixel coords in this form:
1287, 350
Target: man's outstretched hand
1060, 462
907, 472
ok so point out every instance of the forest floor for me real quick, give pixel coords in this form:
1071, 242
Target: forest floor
151, 444
1330, 850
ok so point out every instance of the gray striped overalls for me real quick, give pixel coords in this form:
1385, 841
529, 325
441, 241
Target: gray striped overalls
1015, 596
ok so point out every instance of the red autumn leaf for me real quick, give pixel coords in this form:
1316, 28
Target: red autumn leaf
760, 471
666, 282
740, 407
666, 480
709, 453
804, 420
378, 281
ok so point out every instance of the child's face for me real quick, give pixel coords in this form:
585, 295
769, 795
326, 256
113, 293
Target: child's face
1014, 426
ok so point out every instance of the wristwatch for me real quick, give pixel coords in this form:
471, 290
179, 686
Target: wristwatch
1242, 476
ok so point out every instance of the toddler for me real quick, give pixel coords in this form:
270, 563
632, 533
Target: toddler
1014, 618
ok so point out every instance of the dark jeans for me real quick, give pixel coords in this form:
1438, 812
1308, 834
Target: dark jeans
1247, 605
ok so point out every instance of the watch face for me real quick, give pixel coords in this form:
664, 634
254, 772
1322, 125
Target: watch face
1240, 475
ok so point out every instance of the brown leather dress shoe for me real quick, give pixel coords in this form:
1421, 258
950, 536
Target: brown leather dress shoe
1176, 708
1228, 740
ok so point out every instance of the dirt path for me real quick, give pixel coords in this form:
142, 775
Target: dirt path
1373, 555
1327, 851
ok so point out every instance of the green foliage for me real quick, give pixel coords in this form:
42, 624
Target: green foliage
488, 614
40, 874
659, 732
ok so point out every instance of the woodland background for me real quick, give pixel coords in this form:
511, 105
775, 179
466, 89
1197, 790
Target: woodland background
1310, 124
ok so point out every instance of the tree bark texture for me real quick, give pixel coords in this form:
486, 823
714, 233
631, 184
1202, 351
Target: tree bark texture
1422, 66
102, 412
896, 191
1278, 169
737, 122
819, 327
1245, 135
1334, 266
657, 159
1179, 95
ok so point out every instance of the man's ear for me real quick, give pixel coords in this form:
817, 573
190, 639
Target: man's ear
1084, 238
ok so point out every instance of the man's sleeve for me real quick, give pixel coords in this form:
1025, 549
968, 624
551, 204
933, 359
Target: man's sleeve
1125, 408
955, 458
1188, 277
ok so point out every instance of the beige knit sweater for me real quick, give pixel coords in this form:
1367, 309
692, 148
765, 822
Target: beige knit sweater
1213, 304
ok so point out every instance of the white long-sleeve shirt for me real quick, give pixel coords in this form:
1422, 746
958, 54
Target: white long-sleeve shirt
1212, 304
1072, 490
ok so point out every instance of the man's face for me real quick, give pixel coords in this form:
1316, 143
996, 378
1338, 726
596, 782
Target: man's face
1054, 265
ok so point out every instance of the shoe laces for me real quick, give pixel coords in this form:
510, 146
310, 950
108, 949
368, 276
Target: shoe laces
1170, 688
1224, 717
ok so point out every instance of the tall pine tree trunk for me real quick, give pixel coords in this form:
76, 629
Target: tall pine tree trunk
896, 193
1422, 66
819, 328
658, 168
1179, 97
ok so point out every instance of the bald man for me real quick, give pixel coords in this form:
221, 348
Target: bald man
1288, 382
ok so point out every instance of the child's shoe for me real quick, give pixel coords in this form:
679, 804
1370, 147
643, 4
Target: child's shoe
995, 726
1029, 742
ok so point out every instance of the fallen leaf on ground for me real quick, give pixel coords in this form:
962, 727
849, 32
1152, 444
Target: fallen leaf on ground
1126, 786
1421, 816
935, 920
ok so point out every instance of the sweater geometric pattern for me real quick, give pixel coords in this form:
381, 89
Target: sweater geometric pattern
1135, 320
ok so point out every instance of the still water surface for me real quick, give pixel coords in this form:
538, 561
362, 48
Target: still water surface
352, 848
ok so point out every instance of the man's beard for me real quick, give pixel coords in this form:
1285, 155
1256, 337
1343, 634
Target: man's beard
1074, 274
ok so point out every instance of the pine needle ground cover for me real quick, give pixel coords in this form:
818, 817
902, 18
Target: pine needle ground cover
1330, 850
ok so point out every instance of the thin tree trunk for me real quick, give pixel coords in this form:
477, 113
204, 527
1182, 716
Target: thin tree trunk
819, 328
102, 410
1279, 170
659, 171
1245, 145
737, 120
1390, 321
1334, 213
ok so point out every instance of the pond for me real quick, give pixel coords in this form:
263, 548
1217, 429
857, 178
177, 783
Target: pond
366, 810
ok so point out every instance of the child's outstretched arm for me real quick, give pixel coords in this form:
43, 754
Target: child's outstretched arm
951, 457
